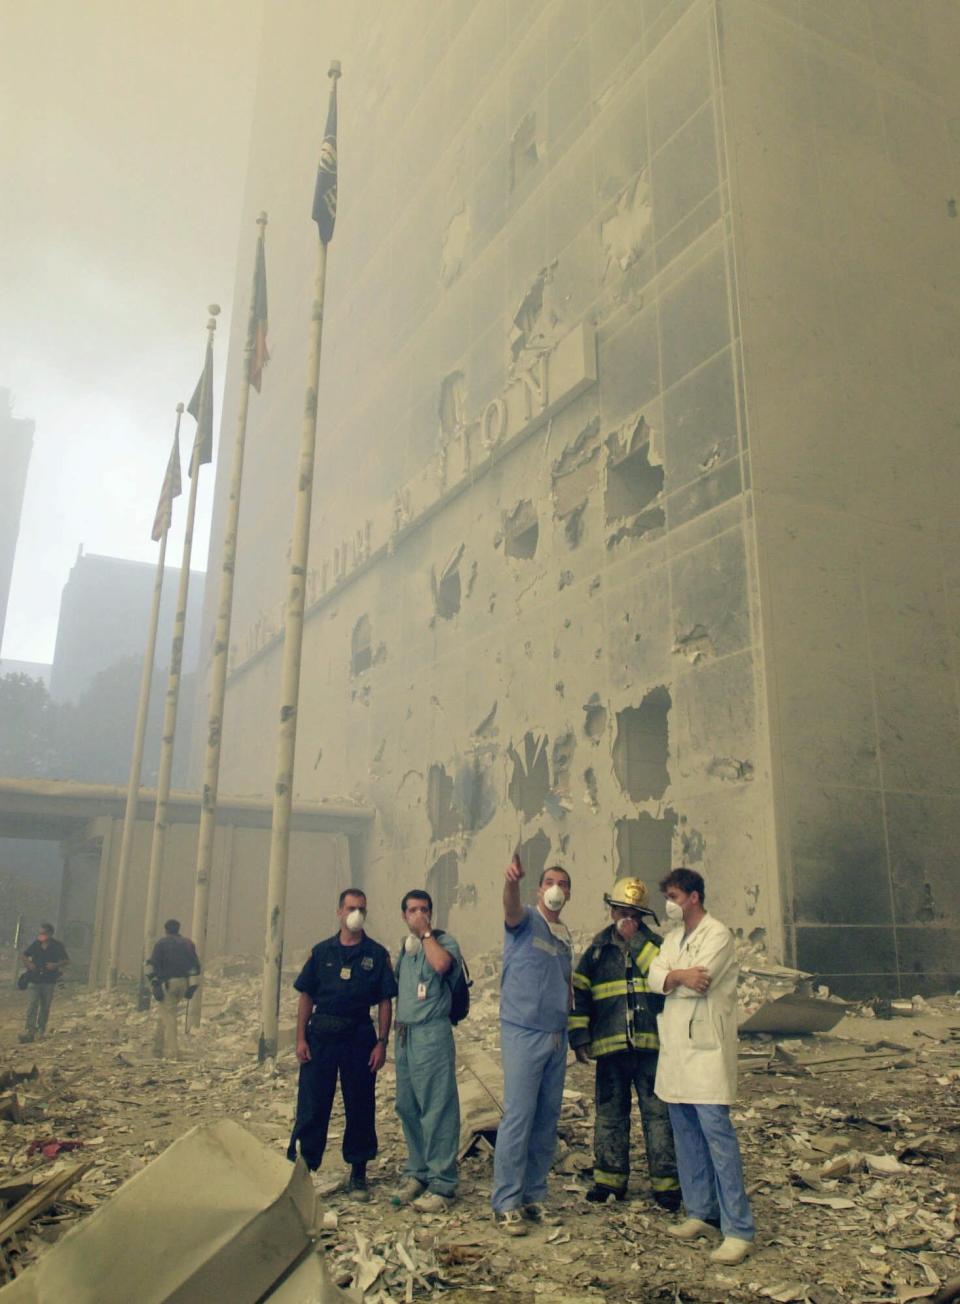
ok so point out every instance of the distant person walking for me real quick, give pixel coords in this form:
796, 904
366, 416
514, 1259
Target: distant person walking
45, 960
172, 971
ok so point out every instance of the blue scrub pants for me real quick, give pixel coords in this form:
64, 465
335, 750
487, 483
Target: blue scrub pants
428, 1103
710, 1169
534, 1068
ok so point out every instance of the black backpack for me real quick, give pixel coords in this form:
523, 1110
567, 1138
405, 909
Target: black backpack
459, 991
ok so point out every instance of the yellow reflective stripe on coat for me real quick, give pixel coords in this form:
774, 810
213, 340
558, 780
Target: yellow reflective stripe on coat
577, 1021
603, 991
664, 1184
616, 1181
608, 1045
646, 957
581, 980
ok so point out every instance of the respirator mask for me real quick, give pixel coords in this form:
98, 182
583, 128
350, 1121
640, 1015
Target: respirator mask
355, 920
554, 898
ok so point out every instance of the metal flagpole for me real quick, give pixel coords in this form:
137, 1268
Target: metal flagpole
296, 594
221, 645
136, 761
158, 845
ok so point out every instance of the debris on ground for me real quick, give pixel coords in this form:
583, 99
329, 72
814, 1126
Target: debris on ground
851, 1145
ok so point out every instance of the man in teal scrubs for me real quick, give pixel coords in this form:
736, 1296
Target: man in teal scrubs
427, 1099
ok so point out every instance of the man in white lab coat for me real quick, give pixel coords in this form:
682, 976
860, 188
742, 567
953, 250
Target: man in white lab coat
696, 970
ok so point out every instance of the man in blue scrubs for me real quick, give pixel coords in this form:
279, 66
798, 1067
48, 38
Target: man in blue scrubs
534, 1005
427, 1100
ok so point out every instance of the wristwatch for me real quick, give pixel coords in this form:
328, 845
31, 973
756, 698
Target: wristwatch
382, 1041
426, 936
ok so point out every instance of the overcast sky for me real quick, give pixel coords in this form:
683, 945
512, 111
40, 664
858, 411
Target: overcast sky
122, 163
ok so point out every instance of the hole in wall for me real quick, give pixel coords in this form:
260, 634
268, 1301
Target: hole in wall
530, 779
641, 748
595, 718
633, 480
361, 647
521, 532
441, 811
442, 882
645, 847
446, 587
524, 149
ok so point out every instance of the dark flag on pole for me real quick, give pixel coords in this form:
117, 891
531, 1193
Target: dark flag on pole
172, 488
200, 408
325, 193
259, 354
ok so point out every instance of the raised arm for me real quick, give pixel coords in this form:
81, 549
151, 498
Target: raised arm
512, 905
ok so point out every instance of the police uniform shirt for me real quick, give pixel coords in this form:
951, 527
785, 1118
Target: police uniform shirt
345, 981
424, 993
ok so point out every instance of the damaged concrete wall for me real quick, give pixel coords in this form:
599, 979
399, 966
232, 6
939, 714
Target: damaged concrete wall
582, 250
531, 479
845, 168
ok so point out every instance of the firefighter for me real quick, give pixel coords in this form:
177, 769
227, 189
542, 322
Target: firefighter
614, 1023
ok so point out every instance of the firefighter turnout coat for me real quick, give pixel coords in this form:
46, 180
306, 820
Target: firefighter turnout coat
613, 1006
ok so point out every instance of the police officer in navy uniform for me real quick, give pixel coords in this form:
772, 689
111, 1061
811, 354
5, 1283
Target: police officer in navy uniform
342, 979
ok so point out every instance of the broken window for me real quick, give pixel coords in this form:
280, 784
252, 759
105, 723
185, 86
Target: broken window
521, 532
446, 587
452, 401
634, 474
524, 150
530, 780
533, 855
641, 749
442, 882
645, 848
361, 649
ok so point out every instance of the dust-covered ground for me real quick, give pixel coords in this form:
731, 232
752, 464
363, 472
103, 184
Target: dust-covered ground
851, 1144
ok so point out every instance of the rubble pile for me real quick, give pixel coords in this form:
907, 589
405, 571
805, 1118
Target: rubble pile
851, 1143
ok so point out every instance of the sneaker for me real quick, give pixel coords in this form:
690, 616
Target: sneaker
534, 1212
693, 1228
433, 1203
511, 1222
730, 1251
602, 1194
408, 1192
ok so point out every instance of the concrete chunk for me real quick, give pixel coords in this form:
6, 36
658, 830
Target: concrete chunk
217, 1216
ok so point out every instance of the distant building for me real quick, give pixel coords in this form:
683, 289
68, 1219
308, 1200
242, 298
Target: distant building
103, 619
32, 669
16, 445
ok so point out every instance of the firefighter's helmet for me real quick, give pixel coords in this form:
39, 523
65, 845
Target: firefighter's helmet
628, 892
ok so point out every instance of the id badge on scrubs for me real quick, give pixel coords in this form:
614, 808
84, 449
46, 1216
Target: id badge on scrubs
421, 991
345, 972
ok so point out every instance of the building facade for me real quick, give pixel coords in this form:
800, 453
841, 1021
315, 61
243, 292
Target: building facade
104, 612
633, 542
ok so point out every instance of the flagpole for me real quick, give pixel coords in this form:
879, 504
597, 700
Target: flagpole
159, 842
136, 761
290, 675
221, 645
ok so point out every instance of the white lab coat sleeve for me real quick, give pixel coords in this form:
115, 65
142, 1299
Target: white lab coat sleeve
657, 972
718, 955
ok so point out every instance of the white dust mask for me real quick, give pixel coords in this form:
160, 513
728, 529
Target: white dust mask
627, 927
355, 920
412, 945
674, 911
554, 898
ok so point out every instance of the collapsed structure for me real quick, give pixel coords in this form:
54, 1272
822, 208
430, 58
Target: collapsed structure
633, 538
